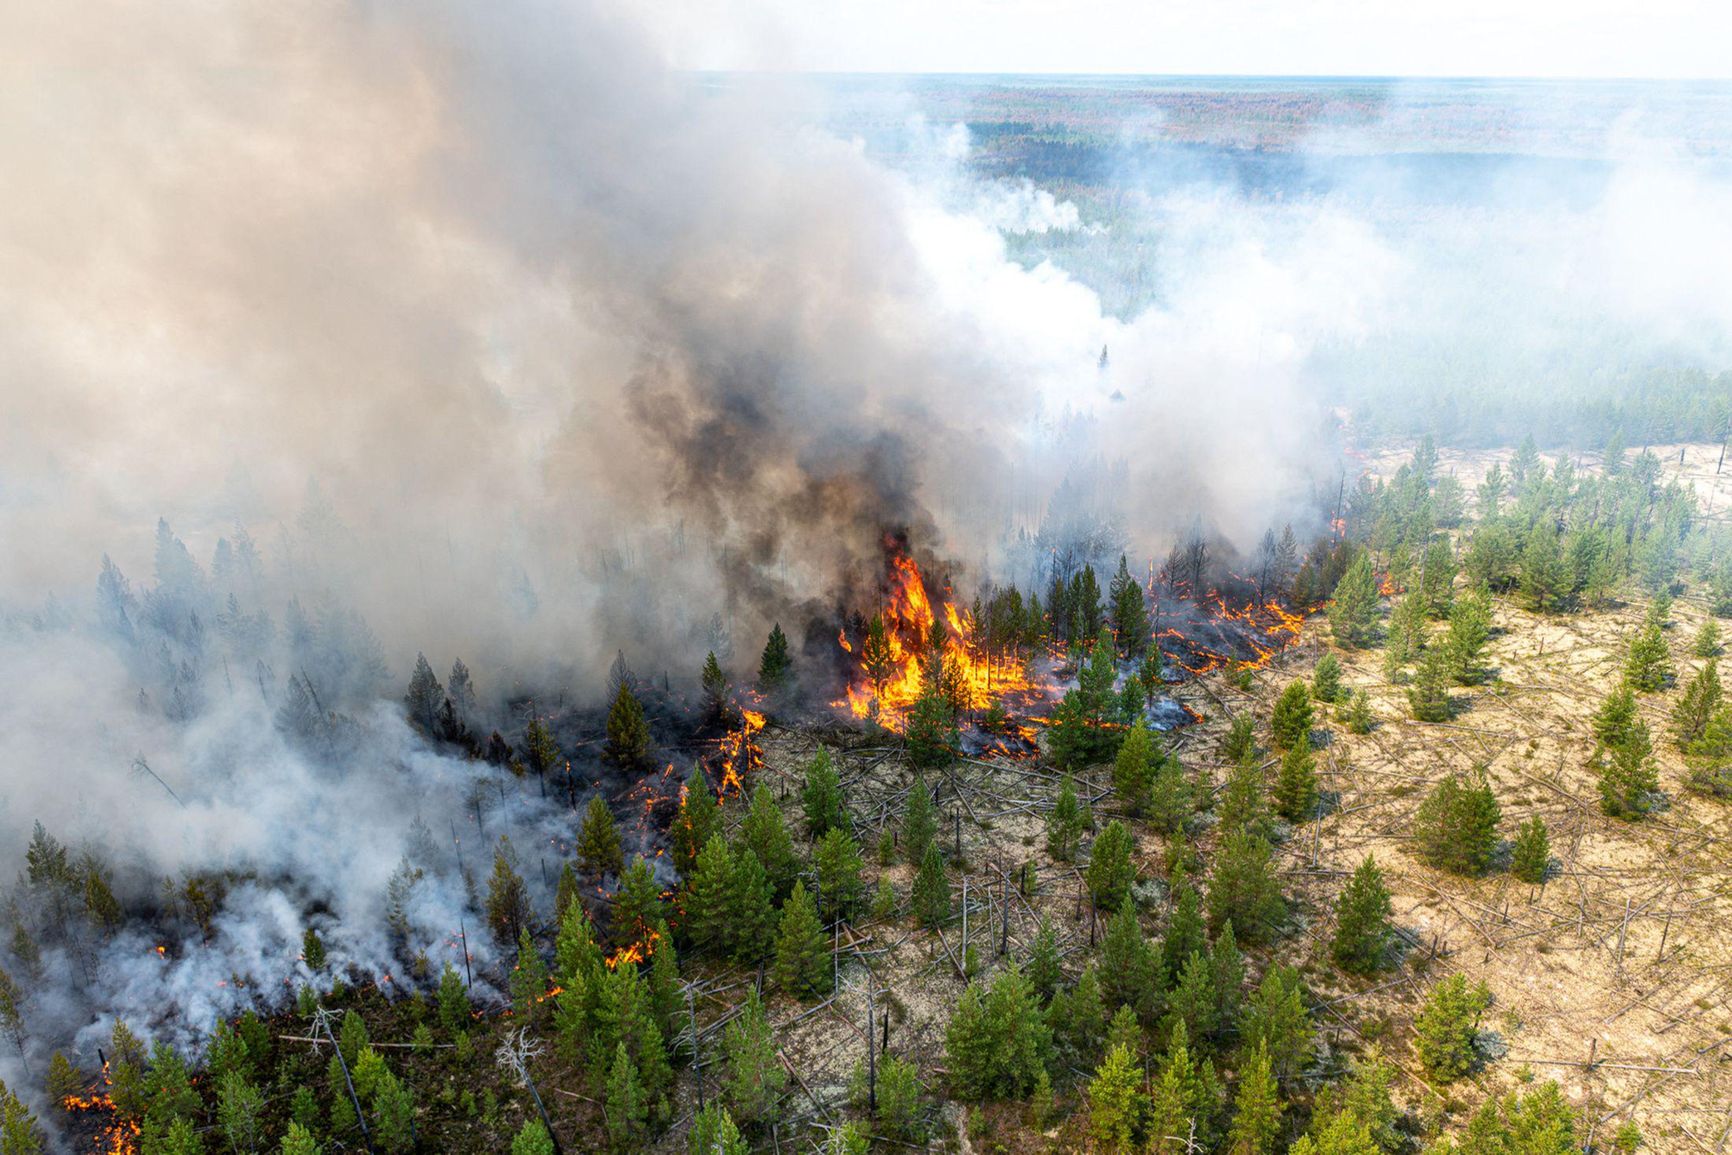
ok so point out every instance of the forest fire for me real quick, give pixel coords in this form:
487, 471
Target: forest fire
1216, 635
115, 1136
740, 754
635, 952
897, 655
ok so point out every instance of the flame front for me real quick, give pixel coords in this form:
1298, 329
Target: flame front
119, 1136
888, 682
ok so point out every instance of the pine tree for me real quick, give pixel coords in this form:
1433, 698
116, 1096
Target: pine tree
1429, 698
697, 821
1455, 828
1191, 1004
707, 914
1326, 679
1696, 705
312, 950
838, 864
750, 913
598, 847
932, 737
1469, 627
1353, 613
540, 750
1546, 580
752, 1079
1130, 971
1185, 1101
1359, 718
1240, 741
776, 667
1437, 578
919, 822
1446, 1026
802, 957
1243, 888
1362, 921
1171, 800
424, 697
1533, 851
764, 831
715, 687
628, 732
1065, 823
1244, 804
997, 1043
1044, 970
931, 894
637, 904
627, 1106
1707, 643
507, 897
453, 1001
1131, 774
528, 979
1649, 665
1615, 717
1296, 786
1290, 724
1082, 732
297, 1140
1110, 871
714, 1133
821, 797
1130, 615
1256, 1108
1277, 1021
1115, 1101
1629, 779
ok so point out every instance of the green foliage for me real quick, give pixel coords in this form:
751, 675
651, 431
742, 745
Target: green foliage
714, 1133
1110, 871
1358, 714
1707, 642
1648, 666
1290, 724
298, 1140
1455, 828
1629, 778
919, 822
1615, 717
507, 897
627, 1104
837, 861
707, 914
1186, 1098
598, 846
1244, 804
312, 950
775, 667
715, 686
1065, 823
1696, 706
1130, 970
1130, 617
453, 1001
997, 1043
1296, 785
528, 980
932, 736
821, 797
752, 1079
1437, 577
1276, 1020
1429, 696
1078, 1019
19, 1133
1256, 1108
751, 917
930, 897
1362, 921
764, 831
1547, 582
532, 1138
1326, 679
697, 821
239, 1105
1243, 889
125, 1068
1353, 613
1240, 741
1116, 1101
1131, 773
1469, 627
1044, 970
1446, 1026
628, 732
802, 956
1533, 851
1172, 797
1083, 732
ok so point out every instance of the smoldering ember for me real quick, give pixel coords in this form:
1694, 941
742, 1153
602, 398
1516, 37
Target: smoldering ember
709, 579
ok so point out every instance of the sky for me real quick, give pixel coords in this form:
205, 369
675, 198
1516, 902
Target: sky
1661, 39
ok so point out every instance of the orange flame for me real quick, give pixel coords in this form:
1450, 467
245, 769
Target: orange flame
119, 1136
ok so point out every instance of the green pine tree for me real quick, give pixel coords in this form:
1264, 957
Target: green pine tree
838, 864
1362, 921
1358, 717
776, 667
1110, 871
1696, 706
821, 796
1130, 970
714, 1133
1296, 786
1648, 667
1243, 889
1065, 823
1326, 679
1116, 1101
1082, 732
715, 686
1455, 828
1256, 1108
628, 732
932, 737
764, 831
997, 1044
1533, 851
598, 847
1707, 642
1290, 724
1629, 778
1130, 615
750, 913
1615, 717
1429, 697
1131, 774
919, 822
1469, 628
1447, 1025
708, 919
627, 1105
802, 955
1353, 613
698, 819
752, 1079
1276, 1019
930, 897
